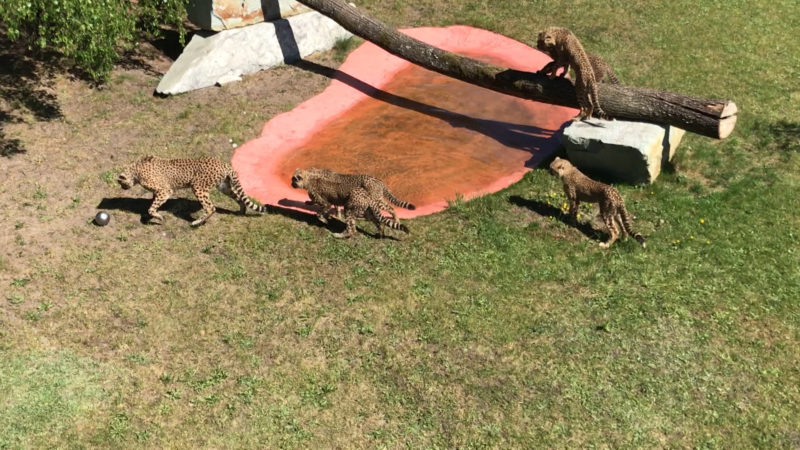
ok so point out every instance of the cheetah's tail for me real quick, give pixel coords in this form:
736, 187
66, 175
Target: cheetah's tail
393, 224
236, 187
396, 200
626, 222
611, 77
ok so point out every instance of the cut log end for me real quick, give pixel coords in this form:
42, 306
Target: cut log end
726, 126
730, 109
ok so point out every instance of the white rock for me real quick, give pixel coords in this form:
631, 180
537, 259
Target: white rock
230, 78
232, 53
620, 150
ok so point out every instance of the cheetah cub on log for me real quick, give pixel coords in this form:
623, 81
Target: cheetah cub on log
579, 187
162, 176
603, 73
360, 195
566, 50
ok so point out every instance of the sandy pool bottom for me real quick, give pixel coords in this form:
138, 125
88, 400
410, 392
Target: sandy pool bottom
429, 137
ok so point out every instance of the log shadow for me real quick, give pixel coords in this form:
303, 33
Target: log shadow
529, 138
545, 210
182, 208
785, 134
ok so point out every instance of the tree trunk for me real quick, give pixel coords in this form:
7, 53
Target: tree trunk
712, 118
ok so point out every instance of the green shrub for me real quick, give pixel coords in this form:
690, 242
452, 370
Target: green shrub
89, 34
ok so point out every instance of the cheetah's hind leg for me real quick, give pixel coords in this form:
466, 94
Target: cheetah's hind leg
372, 215
225, 187
611, 224
208, 207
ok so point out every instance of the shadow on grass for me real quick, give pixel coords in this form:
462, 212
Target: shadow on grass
166, 44
310, 218
181, 208
545, 210
24, 83
786, 135
8, 147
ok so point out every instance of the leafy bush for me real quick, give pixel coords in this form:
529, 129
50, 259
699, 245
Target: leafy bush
89, 33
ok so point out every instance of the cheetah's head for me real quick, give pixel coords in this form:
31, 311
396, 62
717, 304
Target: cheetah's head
546, 41
299, 179
126, 179
560, 166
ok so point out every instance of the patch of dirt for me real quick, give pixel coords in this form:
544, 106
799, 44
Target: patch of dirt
67, 140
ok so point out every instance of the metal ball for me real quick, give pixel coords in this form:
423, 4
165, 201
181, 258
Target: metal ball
102, 218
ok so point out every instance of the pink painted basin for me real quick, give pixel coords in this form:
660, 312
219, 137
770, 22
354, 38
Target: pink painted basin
429, 137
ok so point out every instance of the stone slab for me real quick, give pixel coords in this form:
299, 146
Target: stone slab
229, 54
619, 150
220, 15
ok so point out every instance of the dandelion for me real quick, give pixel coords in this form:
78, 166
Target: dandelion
702, 220
691, 236
708, 242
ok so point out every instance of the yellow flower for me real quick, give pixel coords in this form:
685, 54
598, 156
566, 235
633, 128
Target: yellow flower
691, 236
702, 220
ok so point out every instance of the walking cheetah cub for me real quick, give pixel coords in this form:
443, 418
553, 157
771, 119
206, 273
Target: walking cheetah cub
162, 176
360, 195
579, 187
566, 50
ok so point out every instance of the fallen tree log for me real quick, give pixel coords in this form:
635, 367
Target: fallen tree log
712, 118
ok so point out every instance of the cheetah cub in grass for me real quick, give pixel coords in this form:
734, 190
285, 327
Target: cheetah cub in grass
566, 50
360, 195
162, 176
579, 187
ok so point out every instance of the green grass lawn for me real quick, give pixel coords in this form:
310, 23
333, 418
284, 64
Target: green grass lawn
494, 324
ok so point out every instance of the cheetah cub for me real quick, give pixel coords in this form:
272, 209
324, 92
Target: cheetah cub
162, 176
603, 73
360, 195
566, 50
579, 187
